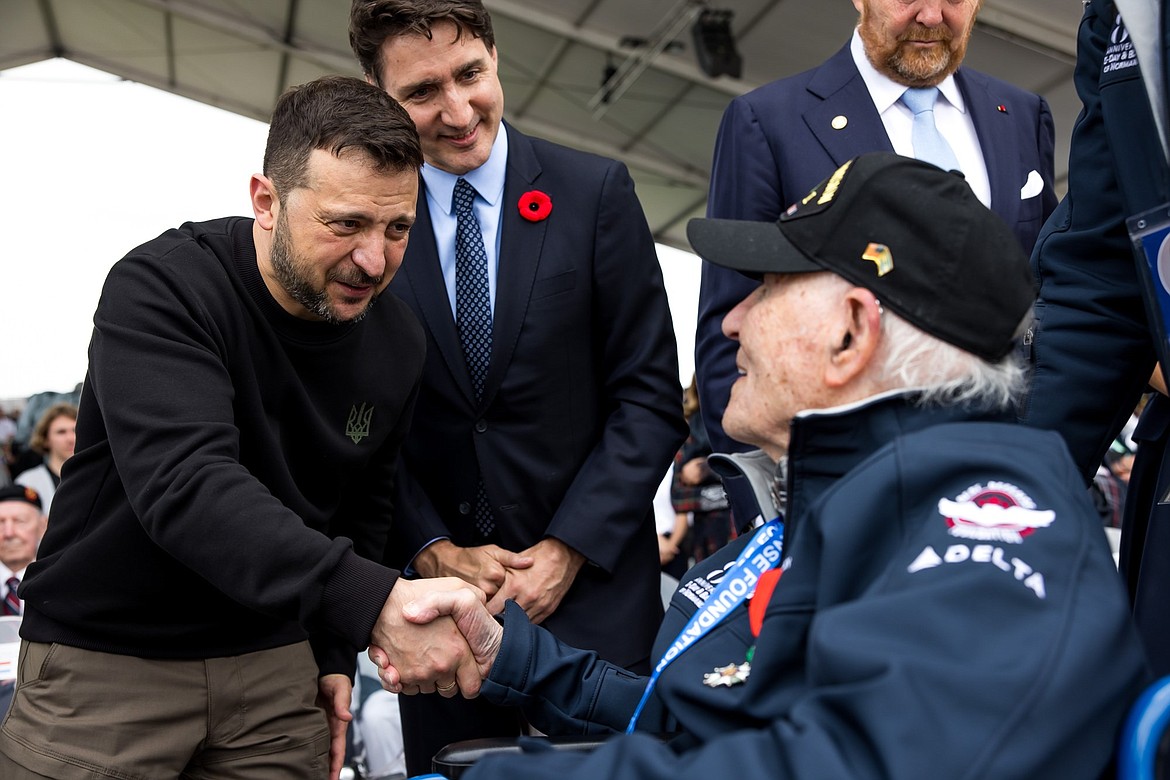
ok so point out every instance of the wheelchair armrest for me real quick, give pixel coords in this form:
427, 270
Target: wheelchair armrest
1144, 729
456, 758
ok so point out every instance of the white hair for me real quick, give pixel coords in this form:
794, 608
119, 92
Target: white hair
942, 374
945, 374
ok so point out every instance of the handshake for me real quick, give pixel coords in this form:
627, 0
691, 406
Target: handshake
435, 635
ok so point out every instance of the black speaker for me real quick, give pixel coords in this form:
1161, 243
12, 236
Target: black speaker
715, 45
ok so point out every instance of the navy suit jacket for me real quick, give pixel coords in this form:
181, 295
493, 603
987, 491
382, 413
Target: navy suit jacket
581, 411
777, 142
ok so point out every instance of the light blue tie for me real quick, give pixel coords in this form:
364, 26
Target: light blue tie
929, 145
473, 314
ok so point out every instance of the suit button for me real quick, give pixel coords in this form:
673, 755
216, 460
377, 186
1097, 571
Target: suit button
480, 426
464, 508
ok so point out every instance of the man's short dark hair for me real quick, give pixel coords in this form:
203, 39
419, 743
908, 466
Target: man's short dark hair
336, 113
371, 22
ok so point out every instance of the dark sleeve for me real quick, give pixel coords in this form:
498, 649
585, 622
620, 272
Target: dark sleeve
891, 657
419, 522
158, 370
1091, 351
745, 184
563, 690
365, 519
1046, 143
638, 360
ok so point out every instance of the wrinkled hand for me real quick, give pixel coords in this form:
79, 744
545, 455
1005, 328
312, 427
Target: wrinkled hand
479, 628
333, 695
540, 588
428, 657
485, 567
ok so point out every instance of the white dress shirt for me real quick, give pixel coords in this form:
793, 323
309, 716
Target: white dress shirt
950, 117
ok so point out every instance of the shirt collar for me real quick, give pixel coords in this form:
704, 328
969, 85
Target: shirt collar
884, 91
488, 179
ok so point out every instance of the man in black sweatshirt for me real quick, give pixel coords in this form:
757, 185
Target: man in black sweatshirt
209, 578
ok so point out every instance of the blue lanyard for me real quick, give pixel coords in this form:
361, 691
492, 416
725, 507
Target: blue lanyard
739, 583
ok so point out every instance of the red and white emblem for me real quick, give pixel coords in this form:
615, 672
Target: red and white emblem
997, 511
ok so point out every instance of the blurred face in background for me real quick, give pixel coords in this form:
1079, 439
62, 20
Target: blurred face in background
61, 438
21, 527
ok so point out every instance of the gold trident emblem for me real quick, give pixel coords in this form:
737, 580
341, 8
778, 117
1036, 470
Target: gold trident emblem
358, 425
881, 257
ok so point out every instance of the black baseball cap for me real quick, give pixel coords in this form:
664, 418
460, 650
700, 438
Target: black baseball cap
20, 493
914, 235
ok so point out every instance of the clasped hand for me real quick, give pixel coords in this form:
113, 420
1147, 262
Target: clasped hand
435, 635
537, 578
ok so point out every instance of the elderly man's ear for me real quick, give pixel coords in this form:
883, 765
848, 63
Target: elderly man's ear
859, 335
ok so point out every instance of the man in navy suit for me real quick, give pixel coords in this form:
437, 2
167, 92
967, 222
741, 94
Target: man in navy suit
1094, 351
534, 478
777, 142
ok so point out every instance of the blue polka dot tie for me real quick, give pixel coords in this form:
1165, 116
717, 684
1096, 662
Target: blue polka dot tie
929, 145
473, 313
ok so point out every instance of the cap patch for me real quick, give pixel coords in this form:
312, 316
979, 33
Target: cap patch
819, 199
834, 183
879, 255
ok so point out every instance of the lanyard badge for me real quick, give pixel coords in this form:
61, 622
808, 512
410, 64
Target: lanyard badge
761, 556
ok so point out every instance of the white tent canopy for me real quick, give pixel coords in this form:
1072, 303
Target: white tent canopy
241, 54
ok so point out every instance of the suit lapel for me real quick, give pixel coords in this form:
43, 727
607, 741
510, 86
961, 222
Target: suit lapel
999, 142
844, 99
843, 94
425, 277
520, 246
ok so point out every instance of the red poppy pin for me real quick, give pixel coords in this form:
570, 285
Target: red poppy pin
534, 206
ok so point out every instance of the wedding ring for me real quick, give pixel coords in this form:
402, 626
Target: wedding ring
445, 688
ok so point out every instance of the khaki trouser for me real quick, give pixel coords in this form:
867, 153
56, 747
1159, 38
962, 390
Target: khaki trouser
82, 715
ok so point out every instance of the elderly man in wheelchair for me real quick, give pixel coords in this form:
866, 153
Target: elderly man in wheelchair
940, 602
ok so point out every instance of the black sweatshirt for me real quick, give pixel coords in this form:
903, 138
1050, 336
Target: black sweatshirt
233, 472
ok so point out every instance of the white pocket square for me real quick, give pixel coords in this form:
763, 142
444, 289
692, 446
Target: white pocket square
1032, 187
